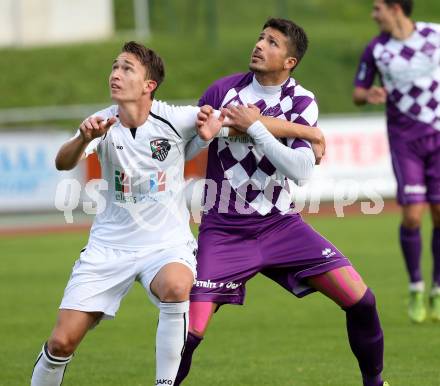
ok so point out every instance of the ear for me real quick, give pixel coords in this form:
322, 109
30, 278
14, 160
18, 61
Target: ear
396, 9
290, 63
149, 86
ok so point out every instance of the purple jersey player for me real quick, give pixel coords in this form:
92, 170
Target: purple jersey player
248, 226
406, 57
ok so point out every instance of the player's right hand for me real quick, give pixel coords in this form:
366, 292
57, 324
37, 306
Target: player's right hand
376, 95
94, 127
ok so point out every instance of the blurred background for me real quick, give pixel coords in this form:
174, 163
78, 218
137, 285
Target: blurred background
55, 58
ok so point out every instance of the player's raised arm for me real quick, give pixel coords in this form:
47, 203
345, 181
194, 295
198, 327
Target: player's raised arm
209, 125
73, 150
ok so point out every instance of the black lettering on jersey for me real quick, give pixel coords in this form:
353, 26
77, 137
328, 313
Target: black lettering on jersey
160, 148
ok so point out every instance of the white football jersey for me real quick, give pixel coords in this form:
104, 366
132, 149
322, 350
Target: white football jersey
145, 201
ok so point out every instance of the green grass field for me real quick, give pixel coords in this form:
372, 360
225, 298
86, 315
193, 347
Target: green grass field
274, 340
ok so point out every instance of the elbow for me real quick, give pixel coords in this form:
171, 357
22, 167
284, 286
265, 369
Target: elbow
303, 179
304, 175
60, 165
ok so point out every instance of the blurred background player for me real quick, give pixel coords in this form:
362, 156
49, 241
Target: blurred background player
406, 56
143, 232
248, 226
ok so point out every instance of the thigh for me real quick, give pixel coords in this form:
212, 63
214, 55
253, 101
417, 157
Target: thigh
172, 283
343, 285
100, 278
432, 170
409, 170
293, 251
225, 261
168, 270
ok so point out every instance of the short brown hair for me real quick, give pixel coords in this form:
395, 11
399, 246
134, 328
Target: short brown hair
152, 62
406, 5
298, 41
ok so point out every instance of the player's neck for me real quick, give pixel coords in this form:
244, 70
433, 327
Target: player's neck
134, 114
403, 29
271, 79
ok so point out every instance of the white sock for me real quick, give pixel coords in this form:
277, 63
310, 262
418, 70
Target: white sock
49, 369
418, 286
171, 336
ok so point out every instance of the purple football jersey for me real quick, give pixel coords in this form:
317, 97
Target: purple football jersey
244, 180
410, 72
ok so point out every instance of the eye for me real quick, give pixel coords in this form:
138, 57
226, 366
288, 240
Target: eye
273, 43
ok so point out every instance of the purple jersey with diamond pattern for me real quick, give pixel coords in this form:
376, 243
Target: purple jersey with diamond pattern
410, 72
246, 182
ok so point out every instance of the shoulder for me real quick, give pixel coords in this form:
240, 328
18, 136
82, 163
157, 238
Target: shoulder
180, 119
231, 81
164, 109
108, 112
294, 90
218, 89
379, 40
425, 29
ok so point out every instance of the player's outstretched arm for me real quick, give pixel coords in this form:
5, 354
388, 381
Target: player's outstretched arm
72, 151
374, 95
296, 164
242, 117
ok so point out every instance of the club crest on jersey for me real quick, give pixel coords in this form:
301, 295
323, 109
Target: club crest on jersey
160, 148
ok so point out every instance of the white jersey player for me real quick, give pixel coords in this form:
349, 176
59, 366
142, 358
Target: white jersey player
143, 233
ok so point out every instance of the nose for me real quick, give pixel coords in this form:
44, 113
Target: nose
259, 45
114, 74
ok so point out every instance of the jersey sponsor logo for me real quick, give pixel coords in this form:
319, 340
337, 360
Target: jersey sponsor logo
160, 148
273, 111
122, 182
134, 189
157, 182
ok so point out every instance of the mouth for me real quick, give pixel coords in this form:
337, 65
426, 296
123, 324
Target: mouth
255, 56
115, 87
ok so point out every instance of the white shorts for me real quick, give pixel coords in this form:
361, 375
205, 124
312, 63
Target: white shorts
102, 276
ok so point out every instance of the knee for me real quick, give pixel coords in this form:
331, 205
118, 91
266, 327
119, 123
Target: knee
365, 305
61, 345
411, 222
436, 218
175, 292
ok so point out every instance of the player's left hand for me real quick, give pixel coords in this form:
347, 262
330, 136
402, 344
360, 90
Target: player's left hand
207, 124
203, 115
241, 117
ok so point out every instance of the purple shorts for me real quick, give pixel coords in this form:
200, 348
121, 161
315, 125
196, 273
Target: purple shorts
416, 166
282, 247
